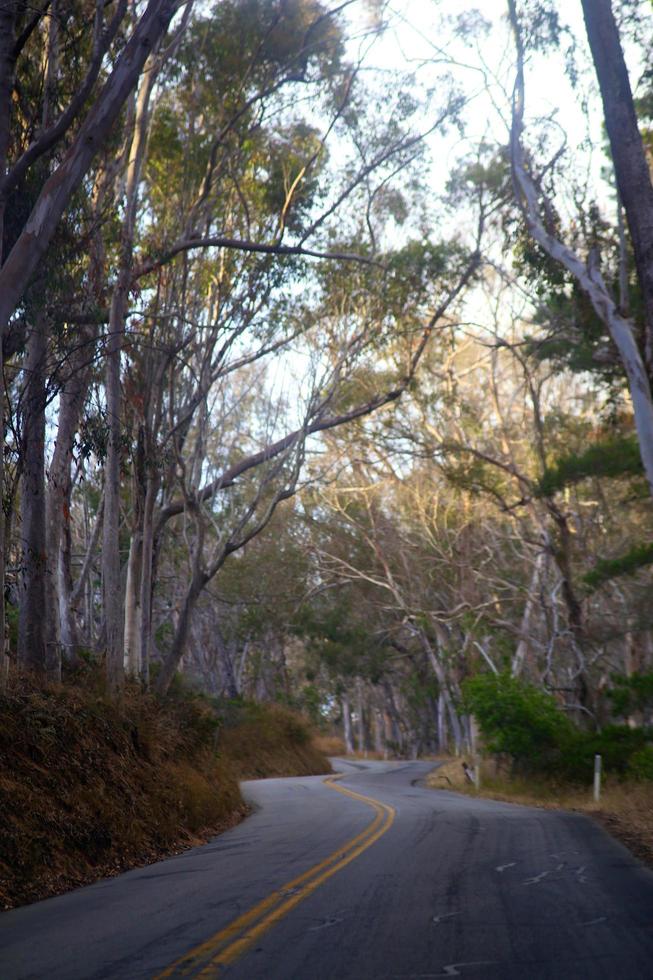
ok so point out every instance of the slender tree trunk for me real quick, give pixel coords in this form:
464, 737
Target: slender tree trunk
69, 634
443, 739
241, 667
59, 491
630, 163
173, 659
111, 584
229, 685
523, 646
456, 727
362, 743
133, 609
147, 583
346, 725
379, 746
33, 652
117, 317
443, 681
7, 68
70, 597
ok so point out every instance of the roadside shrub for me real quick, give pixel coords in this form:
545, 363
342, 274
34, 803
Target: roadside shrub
616, 744
641, 764
519, 720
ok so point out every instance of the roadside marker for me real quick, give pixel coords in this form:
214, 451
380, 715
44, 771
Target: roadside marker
597, 778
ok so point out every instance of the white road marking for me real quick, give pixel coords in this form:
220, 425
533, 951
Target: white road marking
447, 915
536, 879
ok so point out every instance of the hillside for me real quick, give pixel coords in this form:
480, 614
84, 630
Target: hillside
89, 789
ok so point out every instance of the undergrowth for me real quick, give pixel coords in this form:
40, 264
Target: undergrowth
268, 740
89, 788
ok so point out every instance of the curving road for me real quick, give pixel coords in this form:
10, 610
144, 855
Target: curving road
371, 876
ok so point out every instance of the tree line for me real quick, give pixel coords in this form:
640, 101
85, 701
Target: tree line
272, 415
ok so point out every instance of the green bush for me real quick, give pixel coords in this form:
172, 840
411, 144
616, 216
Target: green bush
519, 720
616, 744
640, 765
631, 694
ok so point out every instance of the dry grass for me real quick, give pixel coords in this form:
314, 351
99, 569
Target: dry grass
625, 808
329, 745
89, 788
271, 740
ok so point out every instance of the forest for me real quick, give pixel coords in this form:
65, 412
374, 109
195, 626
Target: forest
327, 350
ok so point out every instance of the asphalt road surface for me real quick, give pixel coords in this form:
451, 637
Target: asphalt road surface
371, 876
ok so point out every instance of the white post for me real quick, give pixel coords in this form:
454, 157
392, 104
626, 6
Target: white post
477, 772
597, 778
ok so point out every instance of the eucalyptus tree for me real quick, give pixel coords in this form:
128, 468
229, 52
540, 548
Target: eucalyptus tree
62, 88
212, 310
634, 182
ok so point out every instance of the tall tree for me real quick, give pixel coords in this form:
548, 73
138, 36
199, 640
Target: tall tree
628, 155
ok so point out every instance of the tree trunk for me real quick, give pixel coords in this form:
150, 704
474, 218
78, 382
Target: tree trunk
588, 276
443, 740
229, 685
133, 609
111, 584
33, 242
346, 725
173, 658
7, 69
630, 164
362, 743
33, 652
523, 646
379, 746
147, 584
117, 317
71, 401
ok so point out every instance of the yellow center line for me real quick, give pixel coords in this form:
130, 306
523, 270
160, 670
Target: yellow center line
227, 945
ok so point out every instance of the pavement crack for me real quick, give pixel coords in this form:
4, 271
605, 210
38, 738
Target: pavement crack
450, 970
580, 875
326, 924
503, 867
437, 919
536, 879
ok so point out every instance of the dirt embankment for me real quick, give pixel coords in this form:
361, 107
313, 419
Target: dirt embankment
89, 788
625, 808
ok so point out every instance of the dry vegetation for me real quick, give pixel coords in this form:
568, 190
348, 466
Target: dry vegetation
89, 789
329, 745
625, 809
269, 740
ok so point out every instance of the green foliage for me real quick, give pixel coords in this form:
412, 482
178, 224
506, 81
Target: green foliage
517, 719
616, 744
609, 568
629, 694
612, 458
641, 764
525, 723
341, 643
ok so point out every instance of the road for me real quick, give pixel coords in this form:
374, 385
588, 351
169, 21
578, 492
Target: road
321, 885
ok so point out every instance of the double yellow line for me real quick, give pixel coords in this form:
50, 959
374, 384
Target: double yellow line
231, 942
